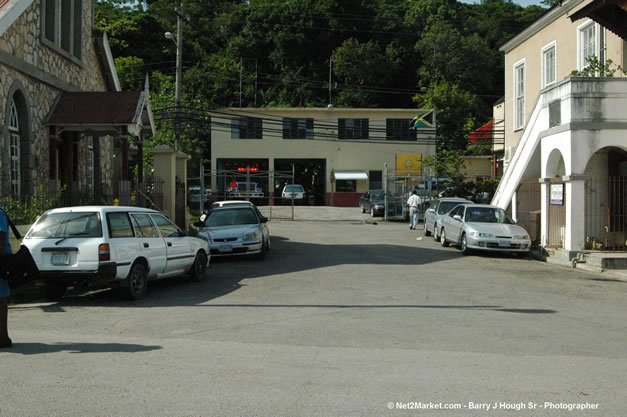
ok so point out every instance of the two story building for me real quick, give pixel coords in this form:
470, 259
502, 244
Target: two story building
566, 137
335, 153
62, 114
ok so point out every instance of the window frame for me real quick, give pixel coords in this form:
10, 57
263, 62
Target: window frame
15, 151
66, 34
519, 101
358, 132
400, 129
298, 128
581, 44
254, 132
547, 49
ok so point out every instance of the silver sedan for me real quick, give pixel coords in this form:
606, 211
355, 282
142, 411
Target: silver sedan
483, 227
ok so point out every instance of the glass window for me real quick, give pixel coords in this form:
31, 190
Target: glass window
247, 128
119, 225
297, 128
143, 225
353, 129
399, 129
231, 217
345, 186
63, 225
166, 227
587, 44
548, 65
519, 96
62, 25
14, 151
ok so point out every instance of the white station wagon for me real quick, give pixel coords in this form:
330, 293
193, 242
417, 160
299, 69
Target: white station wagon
117, 246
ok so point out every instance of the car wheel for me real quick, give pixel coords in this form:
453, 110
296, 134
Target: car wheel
199, 268
427, 232
53, 292
137, 282
436, 235
443, 240
464, 246
262, 255
363, 209
371, 211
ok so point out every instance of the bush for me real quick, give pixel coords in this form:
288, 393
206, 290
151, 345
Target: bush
26, 210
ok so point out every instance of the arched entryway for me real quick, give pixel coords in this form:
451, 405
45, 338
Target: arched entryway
606, 200
555, 171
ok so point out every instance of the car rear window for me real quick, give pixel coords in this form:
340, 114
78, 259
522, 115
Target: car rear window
119, 225
231, 217
294, 189
59, 225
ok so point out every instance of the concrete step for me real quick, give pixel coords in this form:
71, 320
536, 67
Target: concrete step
606, 260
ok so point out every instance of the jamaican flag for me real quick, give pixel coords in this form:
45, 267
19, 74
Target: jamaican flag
419, 121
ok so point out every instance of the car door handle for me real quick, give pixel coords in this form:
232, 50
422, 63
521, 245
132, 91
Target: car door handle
146, 245
169, 243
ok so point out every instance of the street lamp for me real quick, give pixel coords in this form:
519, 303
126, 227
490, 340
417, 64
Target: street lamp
178, 41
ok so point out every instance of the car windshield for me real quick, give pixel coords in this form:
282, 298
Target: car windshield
231, 217
446, 206
294, 189
487, 215
64, 225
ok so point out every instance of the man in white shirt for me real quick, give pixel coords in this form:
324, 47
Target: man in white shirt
413, 202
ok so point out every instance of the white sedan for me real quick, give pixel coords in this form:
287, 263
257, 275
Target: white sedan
483, 227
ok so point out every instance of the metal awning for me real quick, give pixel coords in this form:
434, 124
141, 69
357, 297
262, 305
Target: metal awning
351, 175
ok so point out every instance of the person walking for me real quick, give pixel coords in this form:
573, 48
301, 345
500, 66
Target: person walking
5, 249
413, 202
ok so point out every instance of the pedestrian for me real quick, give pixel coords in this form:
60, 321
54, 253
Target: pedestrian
413, 202
5, 249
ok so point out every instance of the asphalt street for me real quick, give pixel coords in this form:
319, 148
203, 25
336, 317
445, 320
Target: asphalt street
344, 317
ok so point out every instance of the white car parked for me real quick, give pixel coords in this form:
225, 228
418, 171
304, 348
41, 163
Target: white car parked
117, 246
438, 208
483, 227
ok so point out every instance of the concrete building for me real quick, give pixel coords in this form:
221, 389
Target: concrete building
337, 153
62, 115
566, 137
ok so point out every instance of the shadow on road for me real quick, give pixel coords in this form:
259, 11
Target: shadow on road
39, 348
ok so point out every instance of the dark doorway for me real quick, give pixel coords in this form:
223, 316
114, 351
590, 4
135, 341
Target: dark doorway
310, 173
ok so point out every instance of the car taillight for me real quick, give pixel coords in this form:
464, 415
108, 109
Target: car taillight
104, 254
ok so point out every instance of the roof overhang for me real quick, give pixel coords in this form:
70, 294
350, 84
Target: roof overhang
351, 175
612, 14
103, 113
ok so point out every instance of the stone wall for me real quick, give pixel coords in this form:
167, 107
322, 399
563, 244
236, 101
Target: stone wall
41, 73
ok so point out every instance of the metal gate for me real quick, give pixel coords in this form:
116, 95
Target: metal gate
398, 186
528, 210
606, 213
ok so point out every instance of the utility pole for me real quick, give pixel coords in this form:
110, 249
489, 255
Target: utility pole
178, 41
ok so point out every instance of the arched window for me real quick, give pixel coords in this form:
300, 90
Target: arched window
14, 152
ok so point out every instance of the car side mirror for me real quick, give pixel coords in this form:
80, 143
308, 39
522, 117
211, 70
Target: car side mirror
263, 220
457, 217
199, 223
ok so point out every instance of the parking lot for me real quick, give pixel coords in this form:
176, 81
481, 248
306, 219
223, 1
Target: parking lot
345, 316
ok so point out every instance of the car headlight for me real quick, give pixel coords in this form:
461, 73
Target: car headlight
251, 236
480, 234
522, 237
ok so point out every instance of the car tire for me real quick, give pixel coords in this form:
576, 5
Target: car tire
464, 246
363, 209
137, 282
371, 211
199, 268
436, 235
427, 231
443, 240
53, 292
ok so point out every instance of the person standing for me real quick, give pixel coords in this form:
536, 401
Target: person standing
413, 202
5, 249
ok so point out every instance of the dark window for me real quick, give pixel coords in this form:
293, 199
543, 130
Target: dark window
345, 186
143, 226
246, 128
62, 25
375, 180
297, 128
398, 129
166, 227
353, 128
119, 225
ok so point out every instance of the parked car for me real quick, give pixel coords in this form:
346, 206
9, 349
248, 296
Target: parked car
230, 203
293, 192
483, 227
373, 202
117, 246
245, 190
235, 229
438, 208
194, 196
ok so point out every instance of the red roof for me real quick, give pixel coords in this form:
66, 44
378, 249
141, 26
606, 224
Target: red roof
483, 133
96, 108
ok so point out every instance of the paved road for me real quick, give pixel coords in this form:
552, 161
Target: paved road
342, 318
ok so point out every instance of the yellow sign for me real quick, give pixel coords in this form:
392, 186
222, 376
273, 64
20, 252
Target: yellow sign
409, 163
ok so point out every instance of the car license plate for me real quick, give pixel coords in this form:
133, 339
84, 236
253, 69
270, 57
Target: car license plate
59, 259
225, 248
504, 243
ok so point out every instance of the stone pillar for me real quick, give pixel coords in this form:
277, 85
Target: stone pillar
164, 165
574, 239
544, 210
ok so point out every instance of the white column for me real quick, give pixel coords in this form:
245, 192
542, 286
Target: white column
544, 211
574, 238
515, 206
